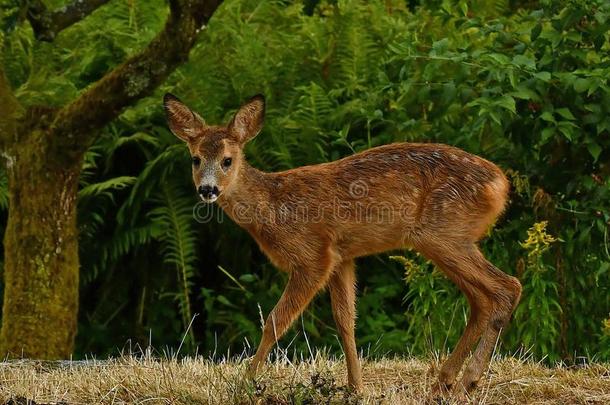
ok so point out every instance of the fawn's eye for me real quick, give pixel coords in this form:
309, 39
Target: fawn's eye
196, 161
226, 163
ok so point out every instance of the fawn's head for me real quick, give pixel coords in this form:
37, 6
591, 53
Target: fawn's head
216, 151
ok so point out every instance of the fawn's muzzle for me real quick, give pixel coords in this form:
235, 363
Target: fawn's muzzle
208, 192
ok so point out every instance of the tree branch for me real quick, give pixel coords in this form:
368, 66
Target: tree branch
75, 125
47, 24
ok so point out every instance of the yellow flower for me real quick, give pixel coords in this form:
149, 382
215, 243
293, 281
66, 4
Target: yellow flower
606, 327
411, 268
538, 241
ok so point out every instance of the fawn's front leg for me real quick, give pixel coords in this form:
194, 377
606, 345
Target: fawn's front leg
302, 286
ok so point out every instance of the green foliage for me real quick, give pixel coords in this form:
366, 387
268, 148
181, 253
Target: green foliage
524, 84
539, 296
437, 311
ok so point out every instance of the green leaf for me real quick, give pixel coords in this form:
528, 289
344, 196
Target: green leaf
547, 116
594, 149
463, 7
440, 47
247, 278
544, 76
565, 113
594, 86
495, 118
500, 58
581, 85
566, 132
224, 300
547, 133
508, 103
511, 78
567, 129
525, 93
603, 126
535, 33
524, 61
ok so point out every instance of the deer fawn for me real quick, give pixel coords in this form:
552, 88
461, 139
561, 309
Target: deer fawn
313, 221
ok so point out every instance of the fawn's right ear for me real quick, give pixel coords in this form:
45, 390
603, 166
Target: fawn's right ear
183, 122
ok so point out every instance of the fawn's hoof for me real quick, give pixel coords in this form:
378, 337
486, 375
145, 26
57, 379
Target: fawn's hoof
252, 370
465, 387
355, 387
443, 393
439, 393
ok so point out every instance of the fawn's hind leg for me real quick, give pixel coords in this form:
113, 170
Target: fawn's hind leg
491, 293
302, 286
455, 264
505, 292
479, 314
343, 300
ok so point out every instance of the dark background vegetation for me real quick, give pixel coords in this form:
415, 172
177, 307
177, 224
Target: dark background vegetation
522, 83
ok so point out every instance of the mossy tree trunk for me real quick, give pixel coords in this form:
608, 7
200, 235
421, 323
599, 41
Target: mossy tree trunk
41, 253
42, 150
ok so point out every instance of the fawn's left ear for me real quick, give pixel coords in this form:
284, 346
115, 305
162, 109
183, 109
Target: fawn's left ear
248, 121
183, 122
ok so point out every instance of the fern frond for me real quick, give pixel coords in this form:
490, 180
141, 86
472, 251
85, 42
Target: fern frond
142, 138
307, 125
150, 179
174, 220
105, 187
356, 56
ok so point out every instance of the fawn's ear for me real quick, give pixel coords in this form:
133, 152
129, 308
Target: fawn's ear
183, 122
248, 121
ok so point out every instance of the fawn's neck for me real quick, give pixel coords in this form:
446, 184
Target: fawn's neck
248, 201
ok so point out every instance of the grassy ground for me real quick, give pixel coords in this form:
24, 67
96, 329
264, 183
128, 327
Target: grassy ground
195, 381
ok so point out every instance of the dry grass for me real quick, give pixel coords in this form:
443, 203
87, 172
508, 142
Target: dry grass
200, 381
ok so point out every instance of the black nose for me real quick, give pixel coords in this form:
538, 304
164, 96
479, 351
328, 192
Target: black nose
208, 191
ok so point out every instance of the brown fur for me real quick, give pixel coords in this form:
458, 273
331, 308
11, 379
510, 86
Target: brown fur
313, 221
